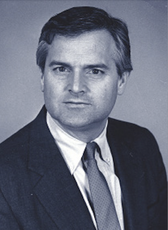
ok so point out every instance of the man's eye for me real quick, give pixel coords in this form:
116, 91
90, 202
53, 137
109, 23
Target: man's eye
96, 71
60, 69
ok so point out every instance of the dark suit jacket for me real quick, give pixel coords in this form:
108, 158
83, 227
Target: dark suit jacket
37, 191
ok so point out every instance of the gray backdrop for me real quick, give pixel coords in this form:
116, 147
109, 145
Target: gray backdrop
145, 99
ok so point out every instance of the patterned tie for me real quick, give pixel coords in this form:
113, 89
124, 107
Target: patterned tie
103, 204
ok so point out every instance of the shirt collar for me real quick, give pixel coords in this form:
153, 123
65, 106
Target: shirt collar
71, 148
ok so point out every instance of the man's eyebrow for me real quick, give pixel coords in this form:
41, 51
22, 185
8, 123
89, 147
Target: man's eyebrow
98, 65
52, 63
92, 66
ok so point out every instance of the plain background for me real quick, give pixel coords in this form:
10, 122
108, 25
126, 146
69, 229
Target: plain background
145, 101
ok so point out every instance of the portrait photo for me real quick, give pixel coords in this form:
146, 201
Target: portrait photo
83, 114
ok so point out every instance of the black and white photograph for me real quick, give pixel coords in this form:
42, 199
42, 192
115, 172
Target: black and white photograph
83, 115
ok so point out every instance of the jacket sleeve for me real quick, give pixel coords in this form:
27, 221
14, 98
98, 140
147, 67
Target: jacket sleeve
156, 184
7, 219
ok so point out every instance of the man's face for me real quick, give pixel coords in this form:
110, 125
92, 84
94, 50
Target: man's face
80, 80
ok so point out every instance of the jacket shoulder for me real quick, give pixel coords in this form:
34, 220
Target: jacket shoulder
135, 137
127, 129
21, 139
15, 146
139, 140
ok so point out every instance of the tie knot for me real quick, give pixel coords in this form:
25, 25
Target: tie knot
89, 153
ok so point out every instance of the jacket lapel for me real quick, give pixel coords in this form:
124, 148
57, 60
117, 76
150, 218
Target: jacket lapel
56, 189
129, 169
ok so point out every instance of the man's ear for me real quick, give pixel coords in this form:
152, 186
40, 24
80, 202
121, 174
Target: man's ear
42, 83
122, 82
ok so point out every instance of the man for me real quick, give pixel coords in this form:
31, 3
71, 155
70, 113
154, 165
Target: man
47, 169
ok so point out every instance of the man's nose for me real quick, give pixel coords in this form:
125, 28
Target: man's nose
77, 83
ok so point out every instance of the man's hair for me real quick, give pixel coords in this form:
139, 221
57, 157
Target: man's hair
77, 20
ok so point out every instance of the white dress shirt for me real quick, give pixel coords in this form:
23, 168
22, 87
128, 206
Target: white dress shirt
72, 151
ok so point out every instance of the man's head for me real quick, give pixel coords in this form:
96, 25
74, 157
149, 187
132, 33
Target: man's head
78, 20
84, 56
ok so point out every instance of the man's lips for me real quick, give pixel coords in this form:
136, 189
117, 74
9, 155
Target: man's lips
74, 103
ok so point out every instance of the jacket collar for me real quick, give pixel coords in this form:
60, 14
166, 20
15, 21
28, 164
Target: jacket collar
129, 169
55, 187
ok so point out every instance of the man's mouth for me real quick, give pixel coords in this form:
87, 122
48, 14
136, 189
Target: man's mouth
76, 103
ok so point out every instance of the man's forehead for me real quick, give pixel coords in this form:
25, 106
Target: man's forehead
92, 41
88, 48
92, 33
